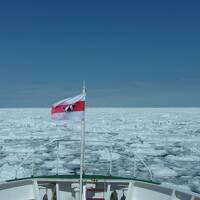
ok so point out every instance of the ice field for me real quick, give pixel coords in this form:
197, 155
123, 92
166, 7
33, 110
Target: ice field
167, 139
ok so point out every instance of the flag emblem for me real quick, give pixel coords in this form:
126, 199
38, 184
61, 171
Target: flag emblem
72, 108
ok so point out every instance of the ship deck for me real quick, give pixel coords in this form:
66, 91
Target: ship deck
95, 187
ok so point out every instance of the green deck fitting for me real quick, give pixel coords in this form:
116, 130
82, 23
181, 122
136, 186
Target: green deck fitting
98, 177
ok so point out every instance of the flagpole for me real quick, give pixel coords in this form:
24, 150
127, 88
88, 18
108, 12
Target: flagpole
82, 148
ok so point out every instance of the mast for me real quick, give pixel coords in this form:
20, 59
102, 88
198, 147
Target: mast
82, 147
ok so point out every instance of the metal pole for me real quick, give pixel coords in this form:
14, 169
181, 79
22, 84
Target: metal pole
111, 160
82, 157
32, 165
16, 173
57, 157
134, 172
57, 192
82, 149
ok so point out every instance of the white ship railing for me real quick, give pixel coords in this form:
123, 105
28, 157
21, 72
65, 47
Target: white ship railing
109, 146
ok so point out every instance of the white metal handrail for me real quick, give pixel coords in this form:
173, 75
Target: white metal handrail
142, 161
33, 152
57, 142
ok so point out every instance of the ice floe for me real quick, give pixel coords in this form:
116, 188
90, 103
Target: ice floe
166, 139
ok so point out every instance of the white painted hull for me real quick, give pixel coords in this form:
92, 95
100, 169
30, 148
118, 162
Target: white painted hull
93, 189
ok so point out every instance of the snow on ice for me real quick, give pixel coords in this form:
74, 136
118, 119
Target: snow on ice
167, 139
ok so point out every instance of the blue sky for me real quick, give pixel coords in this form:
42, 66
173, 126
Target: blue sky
130, 53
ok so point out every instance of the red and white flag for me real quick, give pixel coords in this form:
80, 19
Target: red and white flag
72, 108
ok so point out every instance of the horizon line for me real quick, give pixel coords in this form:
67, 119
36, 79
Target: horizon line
109, 107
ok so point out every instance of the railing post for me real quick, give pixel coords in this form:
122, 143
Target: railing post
57, 156
134, 170
16, 173
32, 166
150, 173
110, 170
